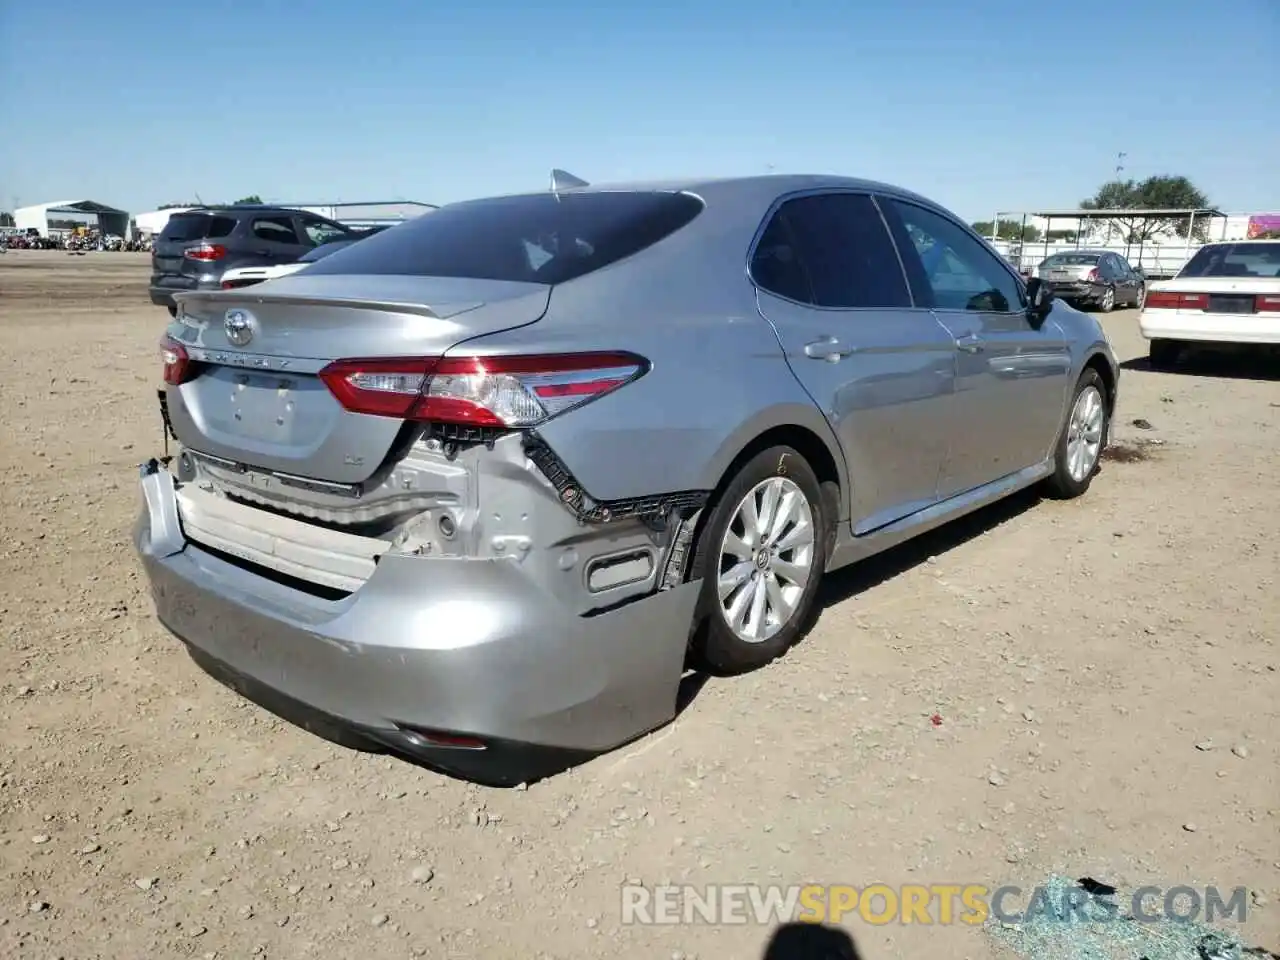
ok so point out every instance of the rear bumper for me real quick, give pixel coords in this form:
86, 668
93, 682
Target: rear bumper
463, 647
1257, 328
1077, 291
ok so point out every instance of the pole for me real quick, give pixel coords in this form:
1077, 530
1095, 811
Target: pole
1191, 222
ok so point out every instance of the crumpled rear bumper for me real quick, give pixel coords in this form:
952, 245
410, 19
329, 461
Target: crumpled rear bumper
437, 645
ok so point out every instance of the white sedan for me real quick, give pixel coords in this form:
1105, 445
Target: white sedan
1227, 293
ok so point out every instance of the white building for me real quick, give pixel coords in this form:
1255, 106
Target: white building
153, 221
110, 220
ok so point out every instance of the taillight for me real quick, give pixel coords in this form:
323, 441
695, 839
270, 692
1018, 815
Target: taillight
1167, 300
1092, 274
205, 252
178, 368
479, 391
1267, 303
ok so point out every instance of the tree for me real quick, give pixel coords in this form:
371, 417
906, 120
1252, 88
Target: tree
1164, 192
6, 219
1008, 230
174, 206
252, 198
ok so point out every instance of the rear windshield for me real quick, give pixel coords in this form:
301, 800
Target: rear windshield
1072, 260
197, 226
538, 238
1234, 260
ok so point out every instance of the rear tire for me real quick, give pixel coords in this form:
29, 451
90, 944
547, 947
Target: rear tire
1107, 302
1084, 436
1164, 354
760, 556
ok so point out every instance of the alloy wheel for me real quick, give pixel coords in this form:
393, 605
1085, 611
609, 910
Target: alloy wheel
766, 559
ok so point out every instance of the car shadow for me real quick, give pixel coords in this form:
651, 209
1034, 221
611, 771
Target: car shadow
873, 571
810, 941
1218, 363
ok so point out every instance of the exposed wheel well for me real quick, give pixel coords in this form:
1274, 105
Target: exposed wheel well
806, 443
1103, 369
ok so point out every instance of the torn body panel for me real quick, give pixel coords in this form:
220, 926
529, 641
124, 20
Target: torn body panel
525, 645
508, 497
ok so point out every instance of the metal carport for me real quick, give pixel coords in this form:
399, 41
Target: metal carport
111, 220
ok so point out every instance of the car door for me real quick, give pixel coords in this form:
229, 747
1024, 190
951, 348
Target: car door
1011, 378
881, 369
275, 239
1127, 287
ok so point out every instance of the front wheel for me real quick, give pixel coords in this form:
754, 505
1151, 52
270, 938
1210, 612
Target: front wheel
1083, 438
760, 556
1140, 298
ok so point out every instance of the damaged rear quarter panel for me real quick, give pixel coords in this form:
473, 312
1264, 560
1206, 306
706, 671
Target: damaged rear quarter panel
718, 379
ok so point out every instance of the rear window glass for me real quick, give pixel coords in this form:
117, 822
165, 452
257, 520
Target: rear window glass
1234, 260
1072, 260
539, 238
199, 226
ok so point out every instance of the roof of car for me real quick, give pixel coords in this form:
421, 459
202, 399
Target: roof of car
239, 207
740, 188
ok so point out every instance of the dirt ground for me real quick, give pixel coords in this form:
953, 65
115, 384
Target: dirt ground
1104, 671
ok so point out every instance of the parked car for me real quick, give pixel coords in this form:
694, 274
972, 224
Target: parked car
1226, 293
1095, 278
197, 246
477, 489
251, 276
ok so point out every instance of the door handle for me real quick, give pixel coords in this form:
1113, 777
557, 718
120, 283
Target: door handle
828, 349
970, 344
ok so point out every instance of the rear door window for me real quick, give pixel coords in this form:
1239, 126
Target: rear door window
830, 250
184, 228
538, 238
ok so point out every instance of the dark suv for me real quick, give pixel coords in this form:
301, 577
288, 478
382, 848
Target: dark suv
197, 245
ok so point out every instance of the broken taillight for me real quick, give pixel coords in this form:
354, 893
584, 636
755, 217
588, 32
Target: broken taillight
178, 368
480, 391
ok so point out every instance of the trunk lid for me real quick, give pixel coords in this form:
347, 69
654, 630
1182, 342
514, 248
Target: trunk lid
1213, 295
257, 401
1068, 272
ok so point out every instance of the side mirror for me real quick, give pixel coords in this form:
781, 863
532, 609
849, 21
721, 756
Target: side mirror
1039, 301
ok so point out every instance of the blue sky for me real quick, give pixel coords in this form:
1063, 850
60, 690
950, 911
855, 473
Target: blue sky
982, 105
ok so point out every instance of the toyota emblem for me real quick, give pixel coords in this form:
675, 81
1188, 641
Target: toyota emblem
239, 327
